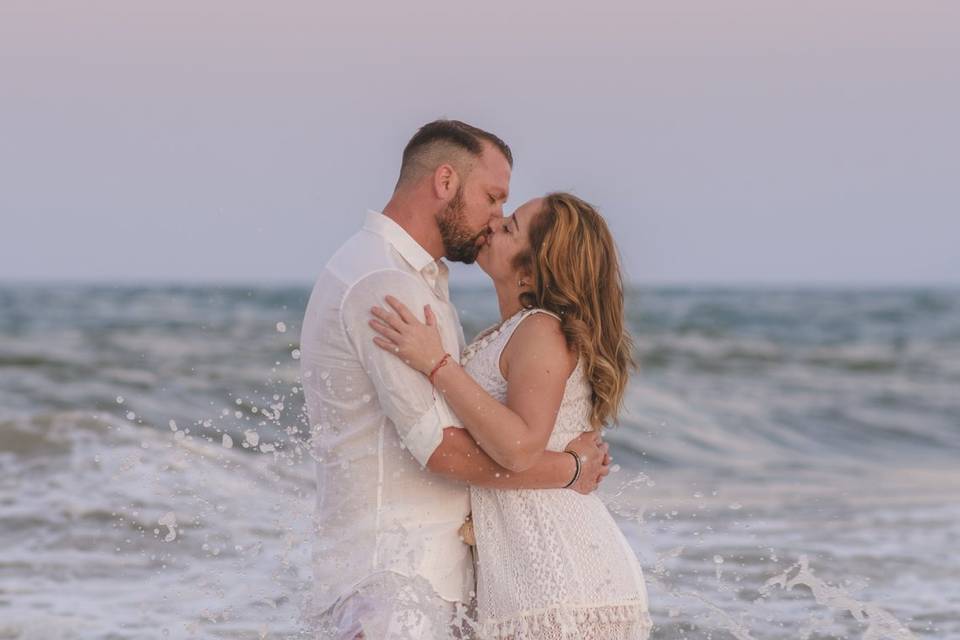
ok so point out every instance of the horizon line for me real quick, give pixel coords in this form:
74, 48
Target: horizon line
155, 282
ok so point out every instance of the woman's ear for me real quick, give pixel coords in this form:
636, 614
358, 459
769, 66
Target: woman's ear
524, 280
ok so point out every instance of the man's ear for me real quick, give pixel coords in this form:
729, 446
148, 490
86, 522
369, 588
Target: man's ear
446, 181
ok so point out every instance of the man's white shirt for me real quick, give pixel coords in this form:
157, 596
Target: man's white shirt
375, 423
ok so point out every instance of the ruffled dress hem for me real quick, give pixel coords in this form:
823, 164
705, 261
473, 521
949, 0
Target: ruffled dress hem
622, 621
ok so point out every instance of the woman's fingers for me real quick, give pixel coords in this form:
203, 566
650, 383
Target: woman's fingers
385, 330
385, 344
401, 310
391, 319
428, 315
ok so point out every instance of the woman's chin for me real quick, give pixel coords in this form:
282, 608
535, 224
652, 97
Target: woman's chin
482, 259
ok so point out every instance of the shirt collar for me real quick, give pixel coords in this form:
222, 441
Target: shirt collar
410, 249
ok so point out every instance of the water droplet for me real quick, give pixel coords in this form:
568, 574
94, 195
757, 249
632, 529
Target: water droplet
131, 415
252, 437
295, 354
324, 375
281, 327
227, 441
367, 397
173, 425
736, 505
119, 399
718, 559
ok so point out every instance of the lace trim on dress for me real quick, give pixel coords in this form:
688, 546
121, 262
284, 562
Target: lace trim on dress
624, 621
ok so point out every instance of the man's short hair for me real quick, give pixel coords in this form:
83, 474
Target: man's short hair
441, 141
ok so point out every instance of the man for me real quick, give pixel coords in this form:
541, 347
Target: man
393, 463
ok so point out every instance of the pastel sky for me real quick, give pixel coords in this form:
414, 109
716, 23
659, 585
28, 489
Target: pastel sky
758, 141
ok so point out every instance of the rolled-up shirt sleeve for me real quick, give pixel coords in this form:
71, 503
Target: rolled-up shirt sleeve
406, 396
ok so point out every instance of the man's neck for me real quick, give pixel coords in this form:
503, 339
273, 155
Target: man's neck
421, 226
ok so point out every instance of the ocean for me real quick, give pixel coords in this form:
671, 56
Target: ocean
787, 466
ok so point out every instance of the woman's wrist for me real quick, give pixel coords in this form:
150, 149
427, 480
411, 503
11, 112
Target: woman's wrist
438, 364
578, 468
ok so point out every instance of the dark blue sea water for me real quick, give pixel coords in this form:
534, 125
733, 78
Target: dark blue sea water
787, 466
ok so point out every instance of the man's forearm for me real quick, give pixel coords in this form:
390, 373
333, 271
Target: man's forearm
460, 458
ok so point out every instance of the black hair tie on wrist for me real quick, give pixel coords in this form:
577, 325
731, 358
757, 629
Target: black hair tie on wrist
576, 474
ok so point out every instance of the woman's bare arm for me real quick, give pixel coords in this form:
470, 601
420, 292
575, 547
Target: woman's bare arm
536, 364
460, 458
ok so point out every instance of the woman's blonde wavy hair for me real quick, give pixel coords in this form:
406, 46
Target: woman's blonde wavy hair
575, 273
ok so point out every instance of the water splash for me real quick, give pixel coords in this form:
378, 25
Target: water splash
169, 520
880, 624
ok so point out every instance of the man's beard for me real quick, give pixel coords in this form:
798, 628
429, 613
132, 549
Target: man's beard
459, 243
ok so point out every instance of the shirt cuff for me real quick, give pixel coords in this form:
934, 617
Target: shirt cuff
426, 434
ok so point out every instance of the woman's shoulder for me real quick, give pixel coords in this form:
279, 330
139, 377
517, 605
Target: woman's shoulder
539, 335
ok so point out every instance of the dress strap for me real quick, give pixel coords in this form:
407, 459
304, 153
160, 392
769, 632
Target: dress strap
530, 312
526, 313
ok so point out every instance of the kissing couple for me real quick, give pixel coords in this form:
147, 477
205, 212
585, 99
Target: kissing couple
456, 482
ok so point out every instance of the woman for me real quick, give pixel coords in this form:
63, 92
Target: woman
551, 564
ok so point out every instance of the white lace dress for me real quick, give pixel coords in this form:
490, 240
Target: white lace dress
551, 564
